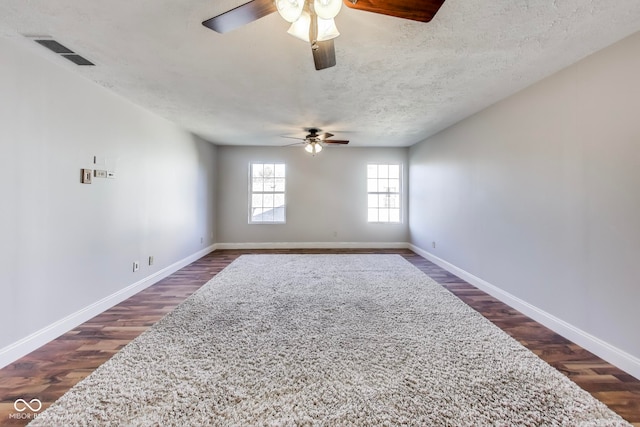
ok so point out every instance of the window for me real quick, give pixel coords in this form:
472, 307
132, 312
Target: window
266, 193
383, 188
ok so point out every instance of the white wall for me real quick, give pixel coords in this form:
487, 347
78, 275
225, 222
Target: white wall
325, 194
65, 246
538, 195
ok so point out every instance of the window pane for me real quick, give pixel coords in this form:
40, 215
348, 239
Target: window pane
278, 200
394, 171
383, 185
279, 184
267, 216
394, 215
268, 170
372, 171
394, 201
383, 171
394, 185
373, 215
373, 201
268, 200
269, 184
257, 184
383, 215
256, 214
279, 169
372, 185
256, 200
257, 169
278, 214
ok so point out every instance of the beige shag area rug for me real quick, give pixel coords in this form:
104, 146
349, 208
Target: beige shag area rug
326, 340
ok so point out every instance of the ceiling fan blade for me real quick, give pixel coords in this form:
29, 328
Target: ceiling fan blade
335, 141
326, 135
240, 16
324, 54
416, 10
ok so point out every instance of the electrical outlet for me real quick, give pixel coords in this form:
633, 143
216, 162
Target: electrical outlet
99, 173
433, 244
335, 234
201, 239
136, 266
151, 260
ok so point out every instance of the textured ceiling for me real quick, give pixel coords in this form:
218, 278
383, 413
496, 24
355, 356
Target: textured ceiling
396, 81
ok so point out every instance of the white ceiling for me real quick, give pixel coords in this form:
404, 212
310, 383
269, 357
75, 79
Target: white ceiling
396, 81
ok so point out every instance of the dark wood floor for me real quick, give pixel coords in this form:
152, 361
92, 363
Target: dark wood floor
47, 373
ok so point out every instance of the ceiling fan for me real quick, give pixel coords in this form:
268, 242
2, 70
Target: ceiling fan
312, 20
314, 140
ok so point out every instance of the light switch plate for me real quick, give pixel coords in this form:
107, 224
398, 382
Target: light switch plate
100, 173
86, 176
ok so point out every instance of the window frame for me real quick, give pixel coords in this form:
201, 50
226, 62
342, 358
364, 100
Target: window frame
251, 193
398, 193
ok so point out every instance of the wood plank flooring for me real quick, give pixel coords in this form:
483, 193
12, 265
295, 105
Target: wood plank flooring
47, 373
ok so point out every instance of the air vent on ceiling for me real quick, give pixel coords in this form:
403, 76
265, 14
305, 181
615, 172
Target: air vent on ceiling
78, 60
62, 50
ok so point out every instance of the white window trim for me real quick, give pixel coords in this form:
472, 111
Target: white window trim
399, 193
250, 194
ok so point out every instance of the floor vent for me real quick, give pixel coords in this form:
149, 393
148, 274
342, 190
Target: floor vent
64, 51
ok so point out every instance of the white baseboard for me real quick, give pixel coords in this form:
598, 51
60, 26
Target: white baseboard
26, 345
606, 351
313, 245
597, 346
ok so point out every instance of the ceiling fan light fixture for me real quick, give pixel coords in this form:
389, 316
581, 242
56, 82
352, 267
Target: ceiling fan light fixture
327, 9
313, 148
322, 45
300, 28
290, 10
327, 29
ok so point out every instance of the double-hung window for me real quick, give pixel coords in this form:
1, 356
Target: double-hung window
267, 193
383, 191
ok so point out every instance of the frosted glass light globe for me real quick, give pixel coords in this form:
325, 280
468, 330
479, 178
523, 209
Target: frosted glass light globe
327, 29
327, 9
290, 10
